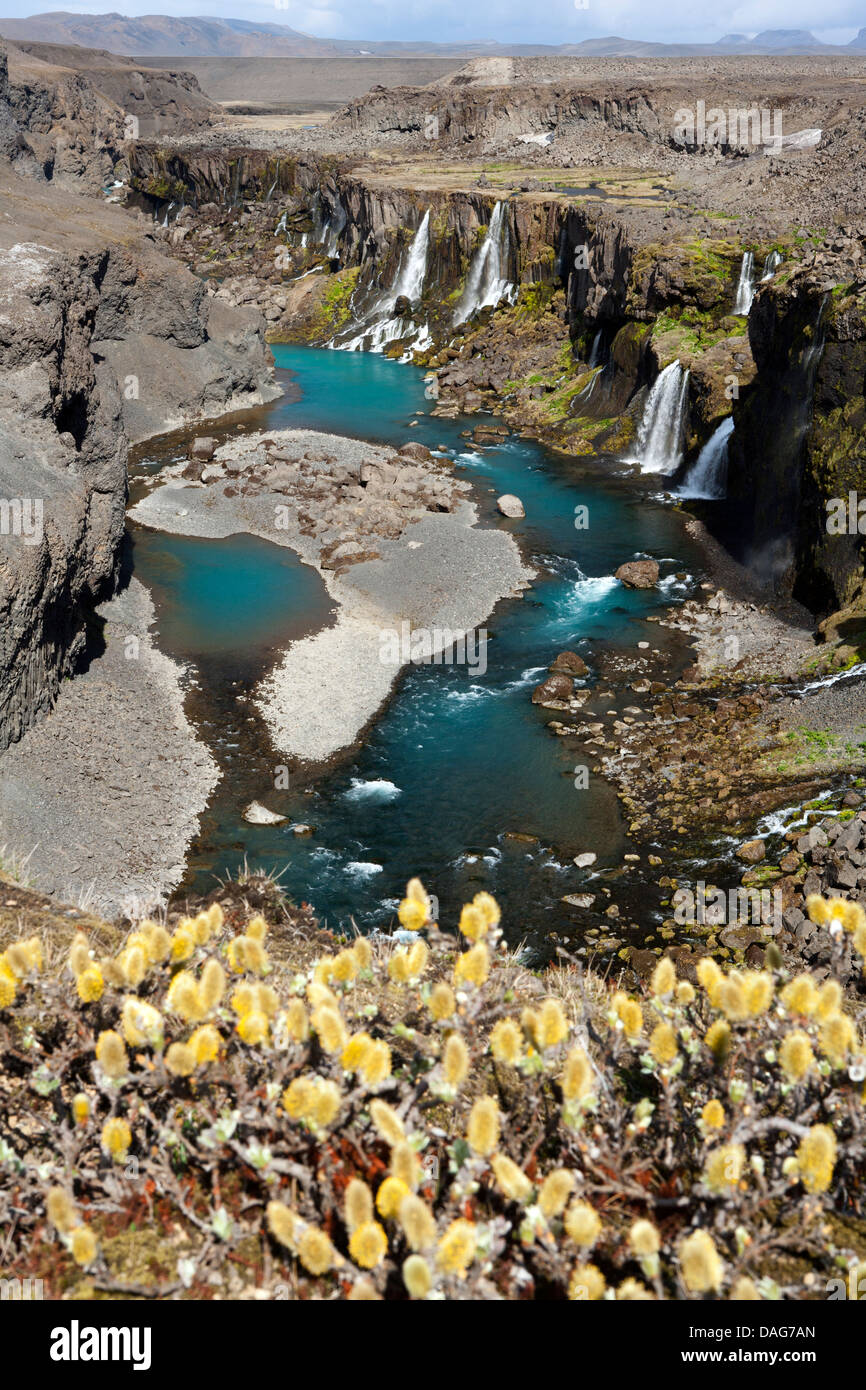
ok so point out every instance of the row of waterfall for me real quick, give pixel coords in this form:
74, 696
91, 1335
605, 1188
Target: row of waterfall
486, 284
708, 476
380, 324
660, 436
746, 285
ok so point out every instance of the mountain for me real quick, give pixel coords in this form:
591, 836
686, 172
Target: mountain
149, 36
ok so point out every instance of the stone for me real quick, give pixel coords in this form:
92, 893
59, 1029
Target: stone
202, 447
257, 814
752, 852
583, 861
570, 663
510, 506
419, 452
299, 829
579, 899
638, 574
553, 691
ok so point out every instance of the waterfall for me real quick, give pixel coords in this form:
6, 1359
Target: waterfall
281, 225
380, 326
708, 476
270, 192
485, 285
595, 351
659, 440
771, 265
746, 284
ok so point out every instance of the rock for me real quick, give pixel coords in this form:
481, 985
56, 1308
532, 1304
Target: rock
583, 861
257, 814
402, 307
740, 938
752, 852
299, 829
202, 447
511, 506
570, 663
419, 452
194, 470
638, 574
579, 899
553, 691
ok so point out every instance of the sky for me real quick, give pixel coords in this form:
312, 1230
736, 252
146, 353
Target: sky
508, 21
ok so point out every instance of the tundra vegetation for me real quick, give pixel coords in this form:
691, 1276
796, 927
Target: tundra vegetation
224, 1105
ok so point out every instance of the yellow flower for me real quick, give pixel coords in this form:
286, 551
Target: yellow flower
363, 1291
326, 1103
442, 1002
90, 984
330, 1029
412, 915
664, 977
243, 999
141, 1023
205, 1044
724, 1167
473, 923
116, 1139
713, 1114
718, 1039
257, 929
473, 967
816, 1158
417, 1276
390, 1195
744, 1291
837, 1038
860, 939
512, 1180
363, 953
183, 998
663, 1044
157, 942
345, 966
759, 986
245, 953
818, 909
357, 1204
387, 1122
212, 985
506, 1042
417, 957
297, 1097
555, 1192
376, 1066
632, 1290
180, 1059
252, 1028
405, 1165
644, 1239
111, 1054
456, 1250
800, 995
417, 1222
315, 1251
61, 1210
796, 1057
628, 1011
487, 905
732, 998
8, 986
368, 1245
483, 1131
587, 1284
398, 967
355, 1051
711, 977
552, 1027
79, 954
455, 1061
684, 994
80, 1108
82, 1245
133, 965
284, 1224
577, 1079
700, 1265
297, 1023
582, 1224
182, 945
829, 1000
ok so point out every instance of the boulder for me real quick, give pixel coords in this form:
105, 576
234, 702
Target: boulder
638, 574
202, 447
752, 852
419, 452
509, 505
570, 663
553, 691
257, 814
585, 860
